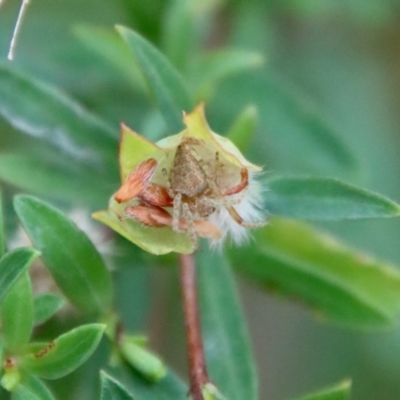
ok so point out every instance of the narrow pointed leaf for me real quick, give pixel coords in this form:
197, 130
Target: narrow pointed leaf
43, 112
227, 345
17, 314
179, 32
343, 286
168, 388
164, 81
66, 353
109, 45
2, 238
171, 387
111, 389
45, 306
23, 393
51, 178
297, 135
32, 388
13, 265
183, 26
325, 199
69, 255
295, 121
338, 392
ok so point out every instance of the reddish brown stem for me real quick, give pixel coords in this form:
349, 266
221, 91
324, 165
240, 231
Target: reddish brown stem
197, 363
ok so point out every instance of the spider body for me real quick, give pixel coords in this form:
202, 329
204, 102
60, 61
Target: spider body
194, 191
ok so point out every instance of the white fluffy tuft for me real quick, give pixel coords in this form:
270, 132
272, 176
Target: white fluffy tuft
250, 208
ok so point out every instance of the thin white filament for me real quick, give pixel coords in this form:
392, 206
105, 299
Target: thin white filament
1, 2
21, 14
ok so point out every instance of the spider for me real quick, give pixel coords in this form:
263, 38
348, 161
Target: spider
199, 185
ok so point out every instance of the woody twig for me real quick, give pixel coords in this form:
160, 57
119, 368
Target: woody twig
197, 364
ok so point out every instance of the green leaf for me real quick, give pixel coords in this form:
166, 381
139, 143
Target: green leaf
300, 128
164, 81
226, 342
31, 388
337, 392
54, 179
179, 32
111, 389
23, 393
45, 306
216, 66
325, 200
183, 26
13, 265
295, 134
343, 286
43, 112
69, 255
109, 45
17, 315
66, 353
168, 388
2, 237
243, 129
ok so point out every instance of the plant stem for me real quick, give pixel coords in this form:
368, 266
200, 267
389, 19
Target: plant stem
21, 14
197, 363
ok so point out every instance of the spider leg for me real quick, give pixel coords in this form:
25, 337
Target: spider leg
176, 213
190, 223
237, 218
244, 174
167, 178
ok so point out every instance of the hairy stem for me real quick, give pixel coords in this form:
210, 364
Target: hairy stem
197, 364
21, 14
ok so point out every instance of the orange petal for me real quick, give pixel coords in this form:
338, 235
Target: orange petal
202, 228
149, 215
157, 217
157, 196
206, 229
137, 181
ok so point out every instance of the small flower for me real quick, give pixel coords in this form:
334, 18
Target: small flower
193, 184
